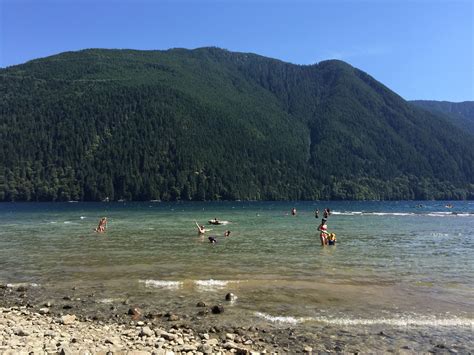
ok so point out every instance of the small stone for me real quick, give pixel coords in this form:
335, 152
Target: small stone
201, 304
308, 349
248, 342
230, 297
213, 342
21, 289
140, 323
22, 332
204, 336
205, 348
173, 317
217, 309
146, 332
68, 319
135, 313
230, 336
44, 310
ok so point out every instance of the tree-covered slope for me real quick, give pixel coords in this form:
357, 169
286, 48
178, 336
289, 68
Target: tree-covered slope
213, 124
460, 114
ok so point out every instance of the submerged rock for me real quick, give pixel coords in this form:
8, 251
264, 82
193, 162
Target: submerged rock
230, 297
217, 309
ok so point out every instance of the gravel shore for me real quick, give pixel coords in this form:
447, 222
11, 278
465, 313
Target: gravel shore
35, 320
25, 331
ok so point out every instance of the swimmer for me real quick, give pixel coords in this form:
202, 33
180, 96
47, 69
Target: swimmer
316, 213
226, 233
332, 239
212, 240
201, 229
293, 211
102, 225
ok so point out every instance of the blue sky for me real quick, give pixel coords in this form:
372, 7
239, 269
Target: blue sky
421, 49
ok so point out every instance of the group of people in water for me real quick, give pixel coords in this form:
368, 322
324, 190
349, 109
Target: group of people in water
202, 230
325, 237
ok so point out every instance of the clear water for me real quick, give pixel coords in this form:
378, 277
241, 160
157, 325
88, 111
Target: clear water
394, 263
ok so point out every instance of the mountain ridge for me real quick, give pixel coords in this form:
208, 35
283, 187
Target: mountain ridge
213, 124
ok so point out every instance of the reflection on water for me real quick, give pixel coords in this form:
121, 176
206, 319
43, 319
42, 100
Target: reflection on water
391, 257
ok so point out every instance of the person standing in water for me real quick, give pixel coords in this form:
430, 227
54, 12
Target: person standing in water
293, 211
323, 229
102, 225
316, 213
201, 229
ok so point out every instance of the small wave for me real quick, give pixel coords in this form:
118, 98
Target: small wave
172, 285
82, 217
401, 214
282, 319
405, 322
106, 300
23, 284
400, 322
211, 284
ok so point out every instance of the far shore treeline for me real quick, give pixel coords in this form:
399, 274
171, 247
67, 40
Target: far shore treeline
209, 124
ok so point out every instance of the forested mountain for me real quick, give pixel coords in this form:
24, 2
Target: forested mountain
212, 124
460, 113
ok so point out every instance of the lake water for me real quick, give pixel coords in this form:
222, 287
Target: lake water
395, 264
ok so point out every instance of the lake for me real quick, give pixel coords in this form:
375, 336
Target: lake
396, 264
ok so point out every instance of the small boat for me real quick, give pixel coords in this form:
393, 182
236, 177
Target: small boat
216, 222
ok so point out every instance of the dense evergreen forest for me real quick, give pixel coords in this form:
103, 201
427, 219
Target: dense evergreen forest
460, 114
209, 124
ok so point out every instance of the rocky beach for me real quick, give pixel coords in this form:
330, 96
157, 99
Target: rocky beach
29, 323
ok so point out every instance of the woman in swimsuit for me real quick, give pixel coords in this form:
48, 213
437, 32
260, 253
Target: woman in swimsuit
323, 235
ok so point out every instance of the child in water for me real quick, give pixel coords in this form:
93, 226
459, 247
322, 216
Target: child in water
332, 239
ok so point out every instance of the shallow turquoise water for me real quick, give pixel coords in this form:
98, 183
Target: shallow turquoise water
394, 263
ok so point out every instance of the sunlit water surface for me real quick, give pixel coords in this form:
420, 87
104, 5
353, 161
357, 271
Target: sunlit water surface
395, 263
